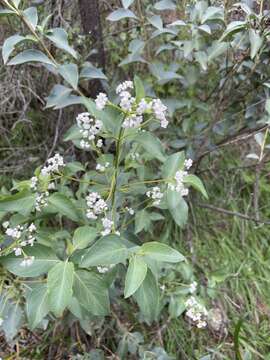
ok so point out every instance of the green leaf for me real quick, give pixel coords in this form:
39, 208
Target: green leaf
151, 144
31, 16
233, 27
107, 250
91, 72
142, 221
126, 3
139, 88
165, 5
60, 96
256, 42
156, 21
213, 13
64, 206
161, 252
60, 282
13, 320
84, 236
9, 45
172, 164
216, 49
4, 12
44, 260
195, 182
120, 14
60, 38
91, 292
178, 209
177, 306
147, 297
16, 3
30, 56
136, 273
70, 73
37, 305
22, 202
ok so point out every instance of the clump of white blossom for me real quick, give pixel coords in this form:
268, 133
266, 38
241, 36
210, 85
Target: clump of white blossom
23, 235
107, 226
53, 165
178, 184
133, 109
193, 287
96, 205
101, 101
155, 194
102, 168
129, 210
89, 128
196, 312
104, 269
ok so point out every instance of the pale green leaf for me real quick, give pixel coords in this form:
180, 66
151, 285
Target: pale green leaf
136, 273
31, 16
172, 164
60, 282
60, 39
151, 144
161, 252
256, 42
63, 206
9, 45
107, 250
84, 236
120, 14
37, 305
70, 73
195, 182
30, 56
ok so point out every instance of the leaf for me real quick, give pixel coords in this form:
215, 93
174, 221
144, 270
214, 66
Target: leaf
217, 49
213, 13
107, 250
142, 221
9, 45
165, 5
161, 252
172, 164
91, 72
4, 12
13, 319
22, 202
179, 211
126, 3
37, 305
151, 144
64, 206
147, 297
16, 3
60, 39
91, 292
233, 27
44, 260
156, 21
136, 273
30, 56
120, 14
177, 306
31, 16
195, 182
60, 282
139, 88
256, 42
70, 73
60, 97
84, 236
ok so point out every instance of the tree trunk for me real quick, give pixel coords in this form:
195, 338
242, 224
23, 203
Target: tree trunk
91, 24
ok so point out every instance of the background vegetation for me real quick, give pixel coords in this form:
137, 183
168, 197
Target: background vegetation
212, 70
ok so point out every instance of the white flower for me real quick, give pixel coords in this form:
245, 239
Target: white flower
27, 261
52, 165
101, 101
160, 112
102, 269
143, 107
96, 205
99, 143
155, 194
17, 251
34, 181
196, 312
89, 128
15, 233
124, 86
5, 224
129, 210
107, 225
100, 168
126, 100
188, 163
179, 186
132, 121
162, 287
135, 156
193, 287
41, 200
32, 228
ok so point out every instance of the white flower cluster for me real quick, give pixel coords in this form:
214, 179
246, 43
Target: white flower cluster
52, 165
89, 128
41, 200
179, 179
23, 235
193, 287
101, 101
130, 210
102, 168
160, 112
196, 312
104, 269
155, 194
107, 225
132, 121
96, 205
